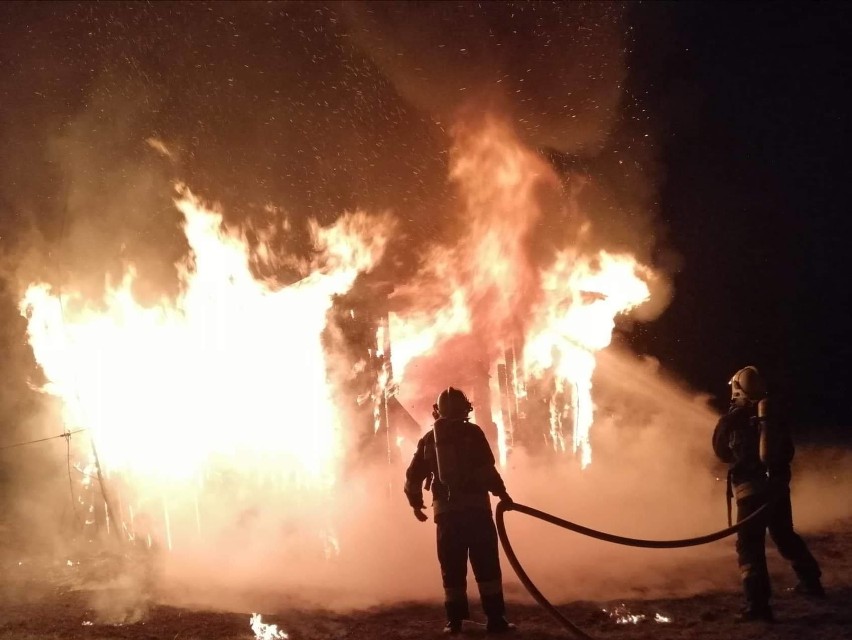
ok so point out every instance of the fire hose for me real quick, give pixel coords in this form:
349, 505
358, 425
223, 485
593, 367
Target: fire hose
569, 626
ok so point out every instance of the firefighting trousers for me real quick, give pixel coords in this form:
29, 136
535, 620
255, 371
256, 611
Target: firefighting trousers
462, 535
751, 546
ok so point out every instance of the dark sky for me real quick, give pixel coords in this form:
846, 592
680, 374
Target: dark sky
754, 103
746, 105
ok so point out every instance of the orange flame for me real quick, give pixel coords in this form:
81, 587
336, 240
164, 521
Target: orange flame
230, 376
576, 319
491, 287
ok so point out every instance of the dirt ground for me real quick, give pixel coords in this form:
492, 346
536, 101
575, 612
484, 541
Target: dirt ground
52, 599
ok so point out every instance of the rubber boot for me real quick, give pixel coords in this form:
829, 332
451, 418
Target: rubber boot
494, 607
812, 588
453, 627
457, 610
757, 592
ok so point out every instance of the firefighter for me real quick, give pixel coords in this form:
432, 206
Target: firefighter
455, 461
759, 450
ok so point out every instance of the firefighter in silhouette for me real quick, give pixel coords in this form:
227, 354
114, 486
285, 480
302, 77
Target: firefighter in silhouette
759, 450
456, 462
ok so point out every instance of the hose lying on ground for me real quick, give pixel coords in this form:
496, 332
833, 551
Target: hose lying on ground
569, 626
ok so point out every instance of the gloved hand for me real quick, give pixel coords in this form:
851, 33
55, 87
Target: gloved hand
763, 408
418, 513
507, 499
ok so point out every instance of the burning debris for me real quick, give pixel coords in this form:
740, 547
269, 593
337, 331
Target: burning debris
263, 631
622, 615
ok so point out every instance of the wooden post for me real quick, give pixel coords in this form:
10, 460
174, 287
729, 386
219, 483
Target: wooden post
111, 511
504, 404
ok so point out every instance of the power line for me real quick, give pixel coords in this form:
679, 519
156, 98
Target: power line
67, 434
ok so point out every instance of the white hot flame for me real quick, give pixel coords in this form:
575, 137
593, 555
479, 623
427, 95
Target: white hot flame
263, 631
226, 382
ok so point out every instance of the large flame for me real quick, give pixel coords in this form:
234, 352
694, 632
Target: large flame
229, 377
494, 287
229, 380
577, 317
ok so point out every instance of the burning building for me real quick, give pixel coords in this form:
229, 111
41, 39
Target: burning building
388, 225
240, 382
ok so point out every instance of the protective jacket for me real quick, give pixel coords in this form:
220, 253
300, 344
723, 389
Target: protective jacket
475, 477
736, 440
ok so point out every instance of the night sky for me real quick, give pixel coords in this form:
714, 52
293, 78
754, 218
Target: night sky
754, 103
747, 105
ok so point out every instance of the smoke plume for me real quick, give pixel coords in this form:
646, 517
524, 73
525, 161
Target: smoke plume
296, 117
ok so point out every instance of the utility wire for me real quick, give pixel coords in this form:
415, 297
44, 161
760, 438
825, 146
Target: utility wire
67, 434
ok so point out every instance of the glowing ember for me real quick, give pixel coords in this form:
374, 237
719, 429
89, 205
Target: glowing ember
622, 615
263, 631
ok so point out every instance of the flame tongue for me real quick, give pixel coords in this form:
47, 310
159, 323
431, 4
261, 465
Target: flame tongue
492, 290
576, 318
230, 374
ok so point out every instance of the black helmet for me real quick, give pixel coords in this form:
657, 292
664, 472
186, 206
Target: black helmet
453, 403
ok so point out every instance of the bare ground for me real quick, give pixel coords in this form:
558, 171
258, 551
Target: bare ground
41, 599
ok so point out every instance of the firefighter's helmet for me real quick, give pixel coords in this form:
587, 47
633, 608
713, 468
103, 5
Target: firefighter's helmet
747, 387
453, 403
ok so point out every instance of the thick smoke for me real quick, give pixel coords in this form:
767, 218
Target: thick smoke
652, 477
290, 112
557, 70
